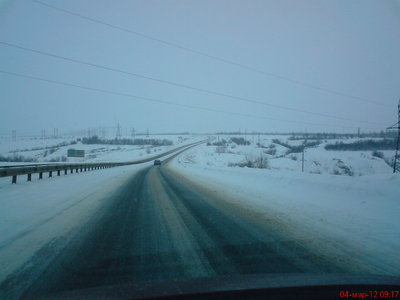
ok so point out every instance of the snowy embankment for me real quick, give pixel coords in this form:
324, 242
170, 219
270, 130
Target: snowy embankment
351, 219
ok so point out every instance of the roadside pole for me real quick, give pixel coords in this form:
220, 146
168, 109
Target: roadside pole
397, 125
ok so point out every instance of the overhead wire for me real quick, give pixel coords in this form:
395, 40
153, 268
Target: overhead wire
109, 92
238, 98
213, 57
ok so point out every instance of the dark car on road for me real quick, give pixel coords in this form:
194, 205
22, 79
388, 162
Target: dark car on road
157, 162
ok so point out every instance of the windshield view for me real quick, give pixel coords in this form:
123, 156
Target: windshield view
164, 148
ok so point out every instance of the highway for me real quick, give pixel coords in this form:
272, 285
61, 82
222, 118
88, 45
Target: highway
161, 226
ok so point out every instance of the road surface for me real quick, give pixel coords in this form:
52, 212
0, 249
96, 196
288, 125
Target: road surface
161, 226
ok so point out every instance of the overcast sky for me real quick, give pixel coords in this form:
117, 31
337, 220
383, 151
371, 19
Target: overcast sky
348, 51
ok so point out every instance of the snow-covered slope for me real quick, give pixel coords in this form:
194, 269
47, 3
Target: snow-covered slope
317, 159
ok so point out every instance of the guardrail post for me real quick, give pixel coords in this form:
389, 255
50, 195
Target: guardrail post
14, 179
40, 175
29, 177
50, 173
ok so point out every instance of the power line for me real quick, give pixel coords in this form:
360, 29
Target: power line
213, 57
183, 85
158, 100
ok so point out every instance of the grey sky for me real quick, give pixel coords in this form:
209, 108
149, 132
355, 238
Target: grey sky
351, 47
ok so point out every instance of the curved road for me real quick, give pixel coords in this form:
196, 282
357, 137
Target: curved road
162, 226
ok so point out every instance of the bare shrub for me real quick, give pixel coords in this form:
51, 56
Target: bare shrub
220, 149
260, 162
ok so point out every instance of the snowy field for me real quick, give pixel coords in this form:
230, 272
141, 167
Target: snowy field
317, 159
55, 149
344, 215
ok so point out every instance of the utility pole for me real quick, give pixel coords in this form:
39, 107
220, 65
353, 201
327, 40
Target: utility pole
14, 135
397, 125
118, 134
398, 139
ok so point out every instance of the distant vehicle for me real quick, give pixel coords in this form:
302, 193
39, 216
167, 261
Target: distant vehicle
157, 162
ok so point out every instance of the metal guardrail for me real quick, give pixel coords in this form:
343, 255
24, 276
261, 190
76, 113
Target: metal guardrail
16, 170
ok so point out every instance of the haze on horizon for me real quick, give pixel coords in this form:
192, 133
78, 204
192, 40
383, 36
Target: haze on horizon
339, 60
